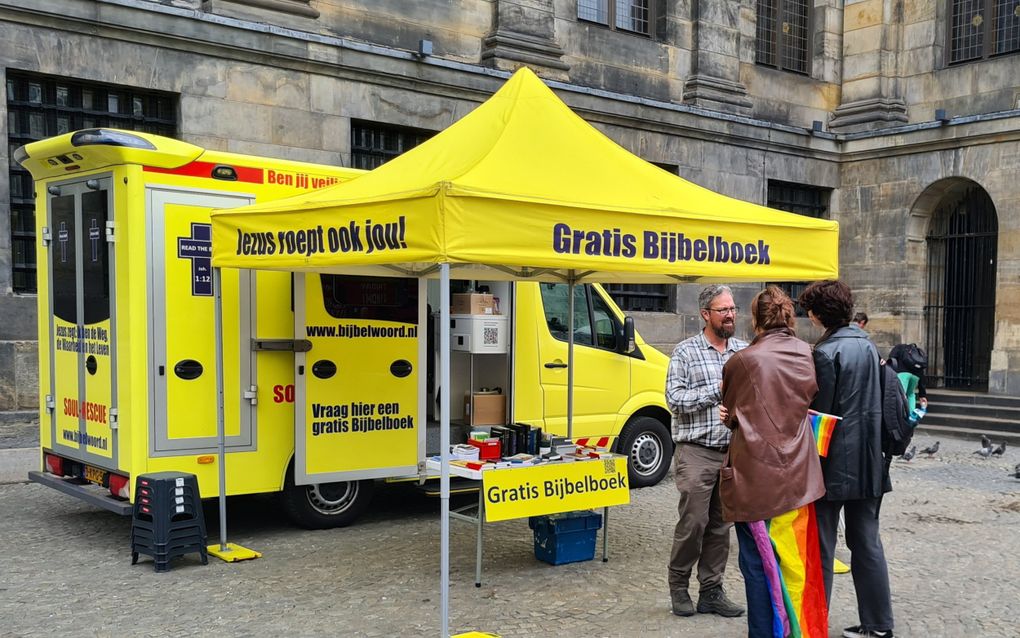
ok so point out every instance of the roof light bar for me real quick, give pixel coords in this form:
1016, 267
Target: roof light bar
108, 137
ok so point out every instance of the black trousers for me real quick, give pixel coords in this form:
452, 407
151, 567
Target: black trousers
867, 557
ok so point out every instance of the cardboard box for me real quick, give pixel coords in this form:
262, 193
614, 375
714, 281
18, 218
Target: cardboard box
489, 409
472, 304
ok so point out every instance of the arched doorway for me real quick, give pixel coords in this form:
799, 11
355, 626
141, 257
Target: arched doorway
959, 307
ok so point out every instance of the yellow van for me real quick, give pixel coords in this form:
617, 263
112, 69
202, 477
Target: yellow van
127, 354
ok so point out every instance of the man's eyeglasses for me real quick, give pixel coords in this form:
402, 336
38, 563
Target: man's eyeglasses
732, 310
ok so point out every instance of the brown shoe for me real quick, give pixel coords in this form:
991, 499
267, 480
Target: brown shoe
682, 603
715, 601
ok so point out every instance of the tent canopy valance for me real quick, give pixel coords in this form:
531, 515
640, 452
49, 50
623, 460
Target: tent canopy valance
522, 187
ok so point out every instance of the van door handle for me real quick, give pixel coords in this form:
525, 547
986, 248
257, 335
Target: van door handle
556, 364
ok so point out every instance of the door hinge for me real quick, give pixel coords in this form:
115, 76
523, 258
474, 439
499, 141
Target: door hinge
109, 232
50, 403
46, 236
251, 394
114, 423
422, 472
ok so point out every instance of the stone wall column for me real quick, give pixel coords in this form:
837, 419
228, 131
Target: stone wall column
714, 80
524, 34
1004, 372
871, 92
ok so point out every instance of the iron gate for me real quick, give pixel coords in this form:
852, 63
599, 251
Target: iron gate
959, 308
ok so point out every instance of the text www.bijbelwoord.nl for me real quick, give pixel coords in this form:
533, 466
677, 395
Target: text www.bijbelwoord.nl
347, 331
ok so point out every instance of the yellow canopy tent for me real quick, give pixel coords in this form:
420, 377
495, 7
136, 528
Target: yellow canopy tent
522, 188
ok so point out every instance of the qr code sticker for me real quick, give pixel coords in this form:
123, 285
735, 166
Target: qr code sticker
609, 466
490, 336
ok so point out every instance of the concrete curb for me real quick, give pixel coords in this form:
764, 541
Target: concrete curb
16, 463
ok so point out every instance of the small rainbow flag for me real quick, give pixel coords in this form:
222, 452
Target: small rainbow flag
822, 426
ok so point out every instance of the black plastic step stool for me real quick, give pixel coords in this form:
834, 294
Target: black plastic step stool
167, 519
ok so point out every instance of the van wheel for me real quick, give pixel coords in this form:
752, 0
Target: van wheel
649, 450
325, 505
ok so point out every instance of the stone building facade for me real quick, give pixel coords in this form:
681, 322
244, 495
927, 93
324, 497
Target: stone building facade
898, 118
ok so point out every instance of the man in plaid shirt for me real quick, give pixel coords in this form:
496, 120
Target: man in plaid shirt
693, 395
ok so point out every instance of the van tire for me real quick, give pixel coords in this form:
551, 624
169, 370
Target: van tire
326, 505
649, 449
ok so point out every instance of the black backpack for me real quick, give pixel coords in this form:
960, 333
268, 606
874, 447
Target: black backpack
910, 358
897, 430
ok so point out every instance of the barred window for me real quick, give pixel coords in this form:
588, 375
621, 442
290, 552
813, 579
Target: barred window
810, 201
782, 34
373, 144
980, 29
41, 106
642, 297
634, 16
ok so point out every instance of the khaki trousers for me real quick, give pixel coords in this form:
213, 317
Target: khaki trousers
701, 535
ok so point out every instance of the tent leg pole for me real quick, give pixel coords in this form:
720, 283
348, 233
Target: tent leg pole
570, 358
220, 429
444, 444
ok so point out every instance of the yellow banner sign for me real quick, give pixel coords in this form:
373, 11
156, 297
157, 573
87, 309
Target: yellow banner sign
551, 488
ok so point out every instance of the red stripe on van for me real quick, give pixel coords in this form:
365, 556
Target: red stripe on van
204, 169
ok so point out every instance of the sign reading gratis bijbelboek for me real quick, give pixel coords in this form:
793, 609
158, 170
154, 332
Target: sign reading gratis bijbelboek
551, 488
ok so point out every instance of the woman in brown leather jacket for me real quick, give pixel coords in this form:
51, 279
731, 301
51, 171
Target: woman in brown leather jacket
772, 475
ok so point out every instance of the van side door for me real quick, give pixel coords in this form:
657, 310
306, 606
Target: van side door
602, 381
183, 339
356, 401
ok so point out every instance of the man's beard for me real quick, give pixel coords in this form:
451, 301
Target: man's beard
724, 331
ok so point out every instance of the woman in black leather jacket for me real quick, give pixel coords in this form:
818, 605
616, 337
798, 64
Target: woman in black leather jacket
846, 367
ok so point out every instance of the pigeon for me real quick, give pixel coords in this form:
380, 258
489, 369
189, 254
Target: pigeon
999, 449
909, 454
931, 449
1016, 471
985, 441
984, 452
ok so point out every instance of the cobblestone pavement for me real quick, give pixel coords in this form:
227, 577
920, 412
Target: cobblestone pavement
950, 532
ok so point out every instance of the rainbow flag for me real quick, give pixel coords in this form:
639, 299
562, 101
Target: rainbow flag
788, 545
822, 426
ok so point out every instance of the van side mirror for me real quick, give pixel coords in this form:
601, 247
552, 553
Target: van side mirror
627, 345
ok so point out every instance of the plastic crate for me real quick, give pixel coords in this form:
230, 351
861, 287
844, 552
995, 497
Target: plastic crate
488, 449
565, 538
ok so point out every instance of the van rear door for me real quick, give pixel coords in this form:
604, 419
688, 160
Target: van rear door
82, 324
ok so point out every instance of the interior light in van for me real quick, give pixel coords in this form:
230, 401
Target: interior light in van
108, 137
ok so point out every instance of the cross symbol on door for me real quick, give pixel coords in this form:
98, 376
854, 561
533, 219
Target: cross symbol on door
198, 248
94, 238
63, 236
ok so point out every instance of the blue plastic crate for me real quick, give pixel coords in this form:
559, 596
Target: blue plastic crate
567, 521
565, 538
